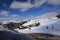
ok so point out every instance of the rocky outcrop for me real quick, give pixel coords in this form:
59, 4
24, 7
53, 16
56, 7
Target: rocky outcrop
58, 16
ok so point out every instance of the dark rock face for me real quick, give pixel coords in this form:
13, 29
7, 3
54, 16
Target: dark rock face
13, 26
6, 35
58, 16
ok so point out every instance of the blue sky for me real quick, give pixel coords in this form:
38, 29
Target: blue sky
27, 8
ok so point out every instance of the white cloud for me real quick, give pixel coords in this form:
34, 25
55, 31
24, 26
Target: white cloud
24, 6
14, 15
4, 13
21, 6
38, 3
53, 2
48, 15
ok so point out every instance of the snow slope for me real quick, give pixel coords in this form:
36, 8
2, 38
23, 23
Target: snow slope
55, 22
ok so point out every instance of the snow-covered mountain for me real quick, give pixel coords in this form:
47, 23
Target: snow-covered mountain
47, 25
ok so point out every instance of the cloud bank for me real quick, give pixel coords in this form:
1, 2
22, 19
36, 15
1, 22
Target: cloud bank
54, 2
48, 15
24, 6
4, 13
